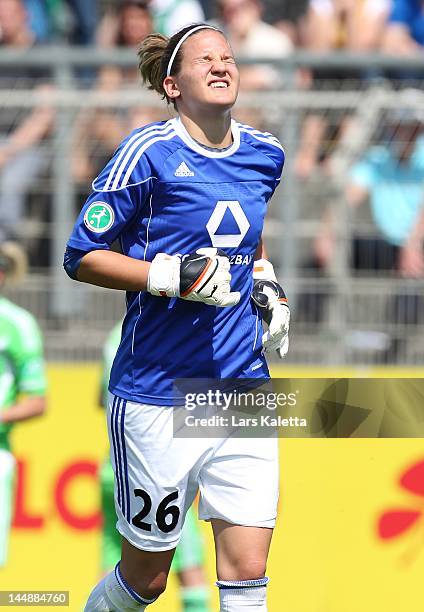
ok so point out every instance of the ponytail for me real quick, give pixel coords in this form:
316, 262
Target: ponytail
150, 55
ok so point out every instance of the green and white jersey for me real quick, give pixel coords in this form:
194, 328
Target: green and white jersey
22, 366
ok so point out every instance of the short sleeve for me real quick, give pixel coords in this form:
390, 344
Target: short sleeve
119, 192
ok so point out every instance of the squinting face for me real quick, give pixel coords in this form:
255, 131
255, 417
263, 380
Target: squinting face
208, 78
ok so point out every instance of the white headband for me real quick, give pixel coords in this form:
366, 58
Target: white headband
182, 40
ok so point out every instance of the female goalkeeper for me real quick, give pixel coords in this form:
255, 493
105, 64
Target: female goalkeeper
186, 200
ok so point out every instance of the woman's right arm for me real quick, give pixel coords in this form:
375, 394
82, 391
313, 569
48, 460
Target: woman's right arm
113, 270
115, 202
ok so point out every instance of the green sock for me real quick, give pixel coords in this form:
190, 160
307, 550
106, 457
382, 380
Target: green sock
195, 599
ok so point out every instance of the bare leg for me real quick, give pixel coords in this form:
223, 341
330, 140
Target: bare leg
241, 556
138, 580
145, 572
241, 552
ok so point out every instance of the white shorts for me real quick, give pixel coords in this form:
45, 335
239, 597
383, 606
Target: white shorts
7, 476
157, 476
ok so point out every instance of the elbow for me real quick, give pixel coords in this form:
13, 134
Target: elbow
42, 408
39, 406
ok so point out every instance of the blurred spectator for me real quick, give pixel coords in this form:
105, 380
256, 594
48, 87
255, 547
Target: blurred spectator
75, 20
391, 177
288, 16
22, 158
208, 7
97, 134
98, 131
86, 16
125, 26
79, 23
357, 25
354, 25
39, 19
252, 38
404, 33
173, 15
15, 28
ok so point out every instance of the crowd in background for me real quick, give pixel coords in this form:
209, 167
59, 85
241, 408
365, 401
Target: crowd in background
275, 26
389, 168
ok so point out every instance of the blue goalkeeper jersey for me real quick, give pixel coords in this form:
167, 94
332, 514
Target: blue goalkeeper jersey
164, 192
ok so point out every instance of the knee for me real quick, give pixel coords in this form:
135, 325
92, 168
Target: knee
248, 568
152, 592
145, 572
149, 587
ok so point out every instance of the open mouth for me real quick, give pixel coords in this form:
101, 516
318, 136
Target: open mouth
219, 85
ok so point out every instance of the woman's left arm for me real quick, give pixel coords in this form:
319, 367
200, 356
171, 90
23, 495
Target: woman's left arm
260, 251
269, 297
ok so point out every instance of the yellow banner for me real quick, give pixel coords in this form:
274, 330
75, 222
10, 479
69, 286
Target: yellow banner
349, 535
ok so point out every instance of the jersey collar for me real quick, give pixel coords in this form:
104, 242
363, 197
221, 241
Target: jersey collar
190, 142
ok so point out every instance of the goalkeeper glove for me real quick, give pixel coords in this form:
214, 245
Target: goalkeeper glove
271, 300
204, 276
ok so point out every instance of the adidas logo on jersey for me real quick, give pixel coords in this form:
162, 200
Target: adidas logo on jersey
183, 170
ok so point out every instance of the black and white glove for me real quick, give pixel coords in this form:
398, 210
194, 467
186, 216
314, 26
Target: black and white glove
204, 276
269, 297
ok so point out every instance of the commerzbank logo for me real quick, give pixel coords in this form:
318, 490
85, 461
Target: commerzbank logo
99, 217
228, 224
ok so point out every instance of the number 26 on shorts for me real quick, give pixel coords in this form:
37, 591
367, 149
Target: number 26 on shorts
164, 511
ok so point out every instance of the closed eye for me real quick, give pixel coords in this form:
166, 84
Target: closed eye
205, 58
228, 59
